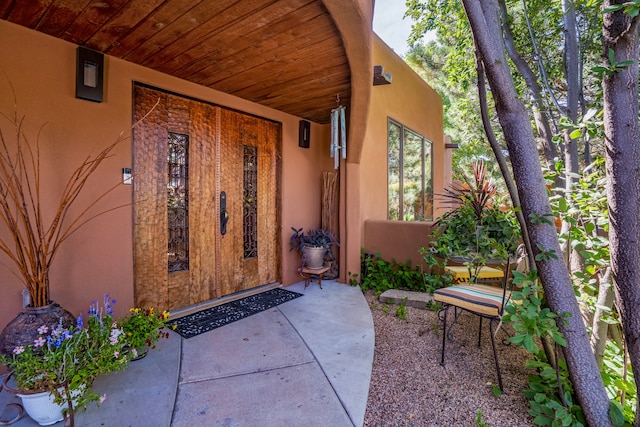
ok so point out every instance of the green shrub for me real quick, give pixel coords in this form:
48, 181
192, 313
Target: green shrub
381, 275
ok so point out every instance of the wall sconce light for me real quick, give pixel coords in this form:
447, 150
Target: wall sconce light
380, 77
89, 74
304, 134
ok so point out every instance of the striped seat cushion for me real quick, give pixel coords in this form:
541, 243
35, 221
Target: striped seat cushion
481, 299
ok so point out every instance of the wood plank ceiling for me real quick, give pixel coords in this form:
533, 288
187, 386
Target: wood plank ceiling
285, 54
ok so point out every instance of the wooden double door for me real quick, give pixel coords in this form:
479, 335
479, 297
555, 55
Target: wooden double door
205, 200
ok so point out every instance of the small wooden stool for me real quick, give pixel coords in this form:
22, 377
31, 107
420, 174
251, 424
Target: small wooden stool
308, 273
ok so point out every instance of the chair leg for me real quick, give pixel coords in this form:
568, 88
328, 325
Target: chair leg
444, 333
480, 331
495, 354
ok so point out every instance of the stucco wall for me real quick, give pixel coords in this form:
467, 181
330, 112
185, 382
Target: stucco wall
98, 259
408, 238
412, 102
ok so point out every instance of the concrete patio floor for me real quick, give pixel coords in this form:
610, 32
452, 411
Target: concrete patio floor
306, 362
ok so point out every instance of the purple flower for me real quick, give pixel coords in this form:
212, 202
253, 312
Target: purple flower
43, 329
79, 322
108, 303
93, 309
19, 349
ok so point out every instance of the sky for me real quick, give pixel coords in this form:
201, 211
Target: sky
389, 25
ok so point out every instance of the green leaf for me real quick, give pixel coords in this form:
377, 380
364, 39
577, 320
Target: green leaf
576, 133
613, 8
562, 204
495, 389
612, 57
529, 344
541, 420
616, 413
624, 64
560, 340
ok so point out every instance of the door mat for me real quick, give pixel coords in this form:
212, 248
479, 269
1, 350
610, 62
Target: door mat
214, 317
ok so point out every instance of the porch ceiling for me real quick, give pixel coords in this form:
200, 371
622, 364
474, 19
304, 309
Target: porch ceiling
284, 54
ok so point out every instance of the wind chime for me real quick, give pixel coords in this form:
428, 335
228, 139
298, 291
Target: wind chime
338, 133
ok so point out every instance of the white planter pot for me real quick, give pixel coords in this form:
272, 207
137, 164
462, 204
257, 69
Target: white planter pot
313, 257
41, 408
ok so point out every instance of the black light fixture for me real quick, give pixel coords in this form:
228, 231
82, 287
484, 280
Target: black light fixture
380, 77
304, 134
89, 74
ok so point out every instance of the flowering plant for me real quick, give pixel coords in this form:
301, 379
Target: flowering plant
65, 361
143, 327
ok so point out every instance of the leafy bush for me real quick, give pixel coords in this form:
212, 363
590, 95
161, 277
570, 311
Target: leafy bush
476, 230
381, 275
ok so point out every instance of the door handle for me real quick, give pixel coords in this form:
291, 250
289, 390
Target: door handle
224, 215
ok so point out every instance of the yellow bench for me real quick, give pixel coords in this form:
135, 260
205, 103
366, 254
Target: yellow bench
460, 273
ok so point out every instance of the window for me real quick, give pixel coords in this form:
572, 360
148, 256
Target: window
178, 202
410, 181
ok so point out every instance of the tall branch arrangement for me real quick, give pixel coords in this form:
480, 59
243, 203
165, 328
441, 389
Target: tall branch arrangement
32, 242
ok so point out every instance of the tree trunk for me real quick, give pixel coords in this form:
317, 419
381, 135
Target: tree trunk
500, 158
600, 328
535, 92
572, 77
622, 133
483, 17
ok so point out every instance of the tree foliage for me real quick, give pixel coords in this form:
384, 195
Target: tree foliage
559, 72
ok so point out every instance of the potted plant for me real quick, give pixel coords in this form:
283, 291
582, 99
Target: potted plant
33, 233
142, 328
314, 246
54, 374
476, 232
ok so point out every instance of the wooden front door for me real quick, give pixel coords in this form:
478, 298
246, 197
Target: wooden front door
205, 200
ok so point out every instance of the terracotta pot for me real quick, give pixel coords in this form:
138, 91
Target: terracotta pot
23, 329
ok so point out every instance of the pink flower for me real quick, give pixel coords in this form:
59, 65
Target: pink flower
19, 349
116, 354
39, 342
102, 399
43, 329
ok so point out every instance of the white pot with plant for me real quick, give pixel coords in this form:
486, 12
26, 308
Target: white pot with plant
54, 374
314, 246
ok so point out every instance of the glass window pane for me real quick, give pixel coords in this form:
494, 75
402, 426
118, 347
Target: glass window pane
393, 172
412, 190
178, 202
428, 180
250, 203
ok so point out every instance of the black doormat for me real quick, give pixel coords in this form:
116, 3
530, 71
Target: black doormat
214, 317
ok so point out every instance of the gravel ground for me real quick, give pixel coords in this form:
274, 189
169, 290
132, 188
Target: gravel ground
410, 388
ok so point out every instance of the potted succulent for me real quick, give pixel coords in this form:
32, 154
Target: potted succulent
142, 328
314, 246
53, 375
33, 233
477, 231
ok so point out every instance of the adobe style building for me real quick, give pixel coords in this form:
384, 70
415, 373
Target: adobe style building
233, 101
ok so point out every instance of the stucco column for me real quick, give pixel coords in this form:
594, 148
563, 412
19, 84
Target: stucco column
351, 223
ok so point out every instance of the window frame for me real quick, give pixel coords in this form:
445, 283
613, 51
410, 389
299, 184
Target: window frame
426, 191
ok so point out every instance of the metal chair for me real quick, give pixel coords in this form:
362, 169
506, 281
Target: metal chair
485, 301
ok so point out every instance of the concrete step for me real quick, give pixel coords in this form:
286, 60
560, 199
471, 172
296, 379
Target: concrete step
408, 298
